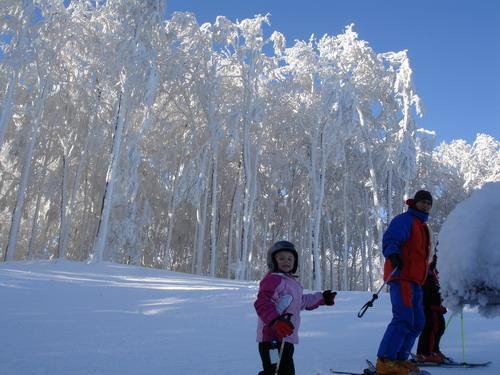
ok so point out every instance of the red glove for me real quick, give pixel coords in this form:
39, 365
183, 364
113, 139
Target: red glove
282, 326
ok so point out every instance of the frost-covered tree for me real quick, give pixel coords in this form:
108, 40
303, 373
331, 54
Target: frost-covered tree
168, 143
314, 81
133, 22
19, 26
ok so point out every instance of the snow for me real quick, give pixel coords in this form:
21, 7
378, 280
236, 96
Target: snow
69, 318
469, 252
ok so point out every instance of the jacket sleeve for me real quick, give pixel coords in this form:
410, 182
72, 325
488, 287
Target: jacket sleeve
312, 301
264, 305
396, 234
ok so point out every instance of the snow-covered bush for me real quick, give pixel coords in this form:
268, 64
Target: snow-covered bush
469, 253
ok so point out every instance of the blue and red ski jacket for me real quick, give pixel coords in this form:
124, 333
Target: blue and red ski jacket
409, 236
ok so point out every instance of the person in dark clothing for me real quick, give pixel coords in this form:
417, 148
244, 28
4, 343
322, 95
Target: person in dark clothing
428, 343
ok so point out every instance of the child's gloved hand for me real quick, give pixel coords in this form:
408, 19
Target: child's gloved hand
282, 326
329, 297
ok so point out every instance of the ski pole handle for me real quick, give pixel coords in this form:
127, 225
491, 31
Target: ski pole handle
287, 316
367, 305
375, 296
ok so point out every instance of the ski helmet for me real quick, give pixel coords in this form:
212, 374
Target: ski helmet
281, 246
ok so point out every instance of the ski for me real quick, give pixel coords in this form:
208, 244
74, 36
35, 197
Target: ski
371, 370
367, 371
453, 364
353, 373
448, 363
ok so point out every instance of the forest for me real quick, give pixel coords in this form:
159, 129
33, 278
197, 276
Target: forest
130, 138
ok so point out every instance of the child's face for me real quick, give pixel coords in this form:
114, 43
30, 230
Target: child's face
285, 261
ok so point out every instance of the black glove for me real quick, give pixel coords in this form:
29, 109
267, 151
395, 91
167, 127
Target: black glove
396, 261
329, 297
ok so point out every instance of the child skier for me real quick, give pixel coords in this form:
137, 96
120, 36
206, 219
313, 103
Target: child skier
278, 320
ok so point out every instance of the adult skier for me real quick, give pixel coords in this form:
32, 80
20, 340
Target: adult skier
406, 247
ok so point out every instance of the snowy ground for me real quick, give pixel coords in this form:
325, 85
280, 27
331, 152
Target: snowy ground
72, 318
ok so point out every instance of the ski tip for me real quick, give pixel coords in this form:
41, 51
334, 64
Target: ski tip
371, 366
365, 372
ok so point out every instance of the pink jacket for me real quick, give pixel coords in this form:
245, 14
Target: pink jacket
272, 287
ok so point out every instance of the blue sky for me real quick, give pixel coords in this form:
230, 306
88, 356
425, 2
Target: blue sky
454, 47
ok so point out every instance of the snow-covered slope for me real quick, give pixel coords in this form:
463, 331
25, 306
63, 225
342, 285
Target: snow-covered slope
469, 252
73, 318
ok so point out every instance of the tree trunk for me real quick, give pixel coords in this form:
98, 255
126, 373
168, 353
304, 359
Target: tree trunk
25, 175
375, 194
332, 250
363, 263
7, 105
250, 172
318, 191
134, 155
213, 219
111, 177
201, 215
74, 188
291, 208
232, 215
63, 233
369, 244
34, 227
346, 250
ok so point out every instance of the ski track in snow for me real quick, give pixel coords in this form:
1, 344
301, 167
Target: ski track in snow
69, 318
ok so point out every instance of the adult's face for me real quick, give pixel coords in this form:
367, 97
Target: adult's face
423, 205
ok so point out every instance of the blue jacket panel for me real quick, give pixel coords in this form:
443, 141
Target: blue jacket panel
399, 231
396, 234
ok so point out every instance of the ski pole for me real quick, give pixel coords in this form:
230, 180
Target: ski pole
375, 296
282, 346
462, 334
449, 321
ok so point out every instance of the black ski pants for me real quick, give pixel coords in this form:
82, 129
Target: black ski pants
430, 337
286, 363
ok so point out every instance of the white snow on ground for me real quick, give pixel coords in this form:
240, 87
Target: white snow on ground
72, 318
469, 252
